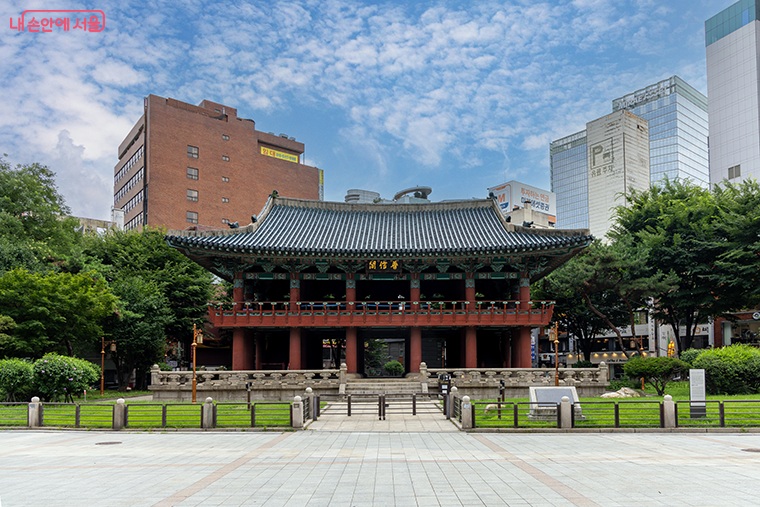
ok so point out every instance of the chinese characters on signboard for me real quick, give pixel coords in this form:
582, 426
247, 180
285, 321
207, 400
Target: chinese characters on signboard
383, 266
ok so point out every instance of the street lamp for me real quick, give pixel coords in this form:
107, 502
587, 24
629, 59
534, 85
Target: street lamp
103, 344
554, 334
197, 339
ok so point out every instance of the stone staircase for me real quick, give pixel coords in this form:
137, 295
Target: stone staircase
388, 386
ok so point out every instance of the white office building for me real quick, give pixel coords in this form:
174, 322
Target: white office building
732, 39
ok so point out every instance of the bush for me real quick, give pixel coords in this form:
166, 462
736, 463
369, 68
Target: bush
730, 370
56, 376
657, 371
394, 368
689, 355
16, 379
582, 364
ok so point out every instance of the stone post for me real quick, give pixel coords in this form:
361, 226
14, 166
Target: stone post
565, 413
450, 401
424, 377
207, 414
33, 413
669, 409
297, 419
119, 414
154, 375
603, 371
342, 378
466, 413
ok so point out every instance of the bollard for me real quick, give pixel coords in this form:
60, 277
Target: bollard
565, 413
450, 401
207, 414
297, 417
313, 412
33, 413
669, 410
119, 414
466, 413
603, 371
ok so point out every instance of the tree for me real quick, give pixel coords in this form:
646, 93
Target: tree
738, 233
185, 285
56, 376
677, 223
620, 269
52, 312
33, 217
139, 329
570, 309
656, 371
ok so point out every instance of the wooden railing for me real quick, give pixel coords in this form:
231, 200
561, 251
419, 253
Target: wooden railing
380, 313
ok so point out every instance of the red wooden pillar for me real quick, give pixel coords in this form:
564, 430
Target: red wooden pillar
521, 336
259, 351
351, 350
295, 348
471, 348
471, 337
240, 352
415, 349
295, 332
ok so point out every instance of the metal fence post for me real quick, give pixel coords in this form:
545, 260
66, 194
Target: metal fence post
722, 413
348, 400
516, 415
617, 415
76, 415
414, 404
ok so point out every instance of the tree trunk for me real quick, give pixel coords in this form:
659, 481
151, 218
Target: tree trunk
609, 324
635, 339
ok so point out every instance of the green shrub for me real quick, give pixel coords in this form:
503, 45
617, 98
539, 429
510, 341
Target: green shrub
16, 379
730, 370
657, 371
582, 364
61, 376
394, 368
689, 355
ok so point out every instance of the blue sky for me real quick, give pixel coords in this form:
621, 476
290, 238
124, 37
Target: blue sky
458, 96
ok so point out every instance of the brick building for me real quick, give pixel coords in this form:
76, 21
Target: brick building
183, 165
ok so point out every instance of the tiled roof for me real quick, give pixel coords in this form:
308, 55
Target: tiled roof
297, 227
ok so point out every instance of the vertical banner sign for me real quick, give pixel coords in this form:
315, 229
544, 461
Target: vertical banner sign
697, 393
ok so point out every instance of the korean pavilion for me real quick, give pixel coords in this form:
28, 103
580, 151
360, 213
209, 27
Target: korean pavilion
450, 281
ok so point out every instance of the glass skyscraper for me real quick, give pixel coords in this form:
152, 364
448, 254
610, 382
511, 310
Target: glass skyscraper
732, 40
569, 180
678, 128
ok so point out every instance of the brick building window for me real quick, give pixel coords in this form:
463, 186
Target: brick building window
224, 199
225, 137
192, 195
225, 158
192, 217
192, 151
225, 179
192, 173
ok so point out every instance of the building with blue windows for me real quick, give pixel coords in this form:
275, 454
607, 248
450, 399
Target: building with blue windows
678, 129
569, 180
677, 117
733, 49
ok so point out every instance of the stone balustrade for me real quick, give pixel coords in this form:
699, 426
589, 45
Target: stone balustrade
485, 383
265, 385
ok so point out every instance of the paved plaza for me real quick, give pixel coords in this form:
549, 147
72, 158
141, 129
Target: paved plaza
376, 468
